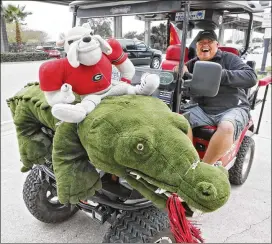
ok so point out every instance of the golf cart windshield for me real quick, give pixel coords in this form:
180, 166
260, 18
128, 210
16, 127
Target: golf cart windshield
186, 15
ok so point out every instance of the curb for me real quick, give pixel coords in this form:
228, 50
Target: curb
7, 126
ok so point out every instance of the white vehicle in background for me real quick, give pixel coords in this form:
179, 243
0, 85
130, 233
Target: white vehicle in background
258, 50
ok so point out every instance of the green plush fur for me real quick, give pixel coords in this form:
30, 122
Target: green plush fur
123, 135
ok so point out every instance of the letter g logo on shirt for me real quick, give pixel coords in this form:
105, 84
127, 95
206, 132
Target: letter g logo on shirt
97, 77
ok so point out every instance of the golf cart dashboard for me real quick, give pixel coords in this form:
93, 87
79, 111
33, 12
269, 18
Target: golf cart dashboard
167, 85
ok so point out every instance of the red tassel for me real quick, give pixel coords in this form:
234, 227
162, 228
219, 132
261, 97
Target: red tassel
182, 229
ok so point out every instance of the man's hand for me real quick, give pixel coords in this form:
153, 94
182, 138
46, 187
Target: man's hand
176, 69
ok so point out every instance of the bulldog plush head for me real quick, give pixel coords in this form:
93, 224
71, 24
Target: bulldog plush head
82, 47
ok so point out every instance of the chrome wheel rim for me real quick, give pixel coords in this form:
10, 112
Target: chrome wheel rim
246, 162
156, 63
51, 197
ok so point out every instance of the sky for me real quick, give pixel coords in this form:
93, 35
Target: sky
54, 19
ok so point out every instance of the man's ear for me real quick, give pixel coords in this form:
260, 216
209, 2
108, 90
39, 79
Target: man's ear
104, 45
61, 40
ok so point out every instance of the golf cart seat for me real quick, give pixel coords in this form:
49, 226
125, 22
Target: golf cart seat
173, 56
230, 50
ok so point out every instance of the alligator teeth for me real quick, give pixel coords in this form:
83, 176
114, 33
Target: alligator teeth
160, 191
181, 199
169, 194
196, 211
137, 176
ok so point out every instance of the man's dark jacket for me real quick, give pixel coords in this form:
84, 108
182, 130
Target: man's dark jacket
236, 78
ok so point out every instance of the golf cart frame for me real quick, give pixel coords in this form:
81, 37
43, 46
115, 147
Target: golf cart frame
106, 205
167, 10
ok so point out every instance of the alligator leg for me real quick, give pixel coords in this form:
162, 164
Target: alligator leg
76, 178
34, 145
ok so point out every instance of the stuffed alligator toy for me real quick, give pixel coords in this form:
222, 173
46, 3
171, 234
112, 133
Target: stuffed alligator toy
134, 137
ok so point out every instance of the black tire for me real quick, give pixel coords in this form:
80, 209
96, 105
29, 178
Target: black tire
155, 63
238, 173
41, 206
148, 225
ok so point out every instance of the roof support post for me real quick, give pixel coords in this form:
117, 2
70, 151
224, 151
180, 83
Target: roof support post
74, 16
147, 32
118, 27
221, 35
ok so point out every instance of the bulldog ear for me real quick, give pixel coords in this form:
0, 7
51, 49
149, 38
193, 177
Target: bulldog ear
61, 40
104, 45
72, 55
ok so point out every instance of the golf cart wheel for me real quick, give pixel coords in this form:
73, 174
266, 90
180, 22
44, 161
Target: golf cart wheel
238, 173
155, 63
41, 200
148, 225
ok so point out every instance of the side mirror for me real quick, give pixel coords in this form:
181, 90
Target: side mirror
206, 79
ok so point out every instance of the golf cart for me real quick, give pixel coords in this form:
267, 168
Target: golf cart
133, 218
239, 158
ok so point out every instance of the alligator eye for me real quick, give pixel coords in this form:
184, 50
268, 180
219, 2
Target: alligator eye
70, 42
140, 147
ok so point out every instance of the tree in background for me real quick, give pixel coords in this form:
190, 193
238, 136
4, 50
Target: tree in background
27, 35
101, 26
158, 36
16, 15
4, 36
133, 34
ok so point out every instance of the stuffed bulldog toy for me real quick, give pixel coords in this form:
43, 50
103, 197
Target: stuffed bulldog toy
87, 71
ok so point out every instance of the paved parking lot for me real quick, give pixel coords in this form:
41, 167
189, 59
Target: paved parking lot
246, 218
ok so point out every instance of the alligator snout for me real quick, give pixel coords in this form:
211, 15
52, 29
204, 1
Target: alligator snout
87, 39
206, 191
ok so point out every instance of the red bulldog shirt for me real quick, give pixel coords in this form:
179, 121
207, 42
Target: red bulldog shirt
83, 79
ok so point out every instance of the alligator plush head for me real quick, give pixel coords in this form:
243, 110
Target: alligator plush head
141, 140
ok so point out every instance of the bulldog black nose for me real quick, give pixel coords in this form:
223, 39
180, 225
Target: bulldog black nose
87, 39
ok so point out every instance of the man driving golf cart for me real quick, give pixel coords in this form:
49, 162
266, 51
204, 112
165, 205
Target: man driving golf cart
229, 109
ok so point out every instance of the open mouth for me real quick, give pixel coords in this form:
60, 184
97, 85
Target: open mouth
165, 192
205, 50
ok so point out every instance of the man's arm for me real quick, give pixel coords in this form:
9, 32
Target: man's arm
188, 66
238, 74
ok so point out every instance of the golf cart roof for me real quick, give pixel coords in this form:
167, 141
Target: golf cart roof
88, 9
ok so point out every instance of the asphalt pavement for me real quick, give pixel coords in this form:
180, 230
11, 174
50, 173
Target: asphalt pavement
245, 218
